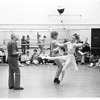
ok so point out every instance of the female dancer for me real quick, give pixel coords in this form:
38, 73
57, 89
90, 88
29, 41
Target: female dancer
70, 58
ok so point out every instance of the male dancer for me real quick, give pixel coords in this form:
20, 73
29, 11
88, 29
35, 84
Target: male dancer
54, 53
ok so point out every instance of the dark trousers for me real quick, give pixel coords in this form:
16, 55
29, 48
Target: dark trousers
23, 49
14, 72
59, 64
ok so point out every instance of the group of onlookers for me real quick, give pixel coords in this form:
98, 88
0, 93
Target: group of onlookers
35, 58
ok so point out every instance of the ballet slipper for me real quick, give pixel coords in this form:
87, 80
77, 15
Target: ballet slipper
61, 83
77, 69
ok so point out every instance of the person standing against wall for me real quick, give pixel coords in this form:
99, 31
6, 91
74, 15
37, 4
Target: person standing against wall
14, 71
39, 43
23, 44
28, 41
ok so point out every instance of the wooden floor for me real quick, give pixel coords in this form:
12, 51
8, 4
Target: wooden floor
38, 83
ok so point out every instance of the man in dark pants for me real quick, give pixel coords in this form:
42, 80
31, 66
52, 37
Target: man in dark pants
23, 44
14, 82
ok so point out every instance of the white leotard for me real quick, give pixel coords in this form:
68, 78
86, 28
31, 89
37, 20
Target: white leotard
70, 59
71, 48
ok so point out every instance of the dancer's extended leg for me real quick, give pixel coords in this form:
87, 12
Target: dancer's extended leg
58, 57
52, 58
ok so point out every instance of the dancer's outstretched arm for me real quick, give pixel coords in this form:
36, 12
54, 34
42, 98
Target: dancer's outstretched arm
81, 44
59, 44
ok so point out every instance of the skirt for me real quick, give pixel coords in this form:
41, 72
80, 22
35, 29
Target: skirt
70, 59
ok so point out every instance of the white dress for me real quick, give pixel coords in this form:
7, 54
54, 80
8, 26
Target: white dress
69, 58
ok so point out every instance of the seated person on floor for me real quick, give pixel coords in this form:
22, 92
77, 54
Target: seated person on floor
27, 58
98, 63
19, 61
42, 55
84, 52
94, 60
1, 55
34, 58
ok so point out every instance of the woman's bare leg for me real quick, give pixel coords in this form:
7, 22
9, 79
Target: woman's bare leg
52, 58
67, 64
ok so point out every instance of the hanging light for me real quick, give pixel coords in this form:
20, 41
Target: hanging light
60, 10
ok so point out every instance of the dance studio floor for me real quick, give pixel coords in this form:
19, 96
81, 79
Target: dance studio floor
37, 83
